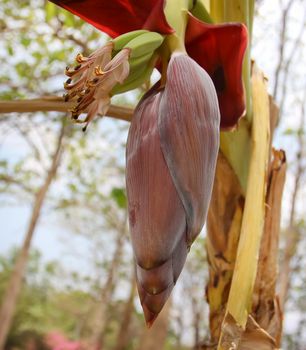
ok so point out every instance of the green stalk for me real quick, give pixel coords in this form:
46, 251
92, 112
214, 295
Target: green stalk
253, 217
238, 156
176, 12
199, 10
206, 3
217, 10
237, 10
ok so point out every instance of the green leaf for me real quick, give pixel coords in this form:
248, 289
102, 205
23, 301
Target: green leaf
69, 20
25, 41
73, 188
118, 194
10, 50
289, 131
50, 11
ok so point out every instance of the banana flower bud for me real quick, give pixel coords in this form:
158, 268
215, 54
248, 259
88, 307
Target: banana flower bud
171, 157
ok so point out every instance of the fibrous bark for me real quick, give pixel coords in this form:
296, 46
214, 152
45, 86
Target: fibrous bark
223, 228
266, 307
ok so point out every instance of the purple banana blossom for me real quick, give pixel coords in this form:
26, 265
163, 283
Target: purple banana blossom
171, 157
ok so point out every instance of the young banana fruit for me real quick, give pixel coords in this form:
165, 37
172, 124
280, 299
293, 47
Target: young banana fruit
143, 45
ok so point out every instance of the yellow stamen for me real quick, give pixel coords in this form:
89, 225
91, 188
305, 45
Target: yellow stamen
99, 71
80, 58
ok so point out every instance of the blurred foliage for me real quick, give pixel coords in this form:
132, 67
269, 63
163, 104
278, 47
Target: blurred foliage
45, 302
48, 305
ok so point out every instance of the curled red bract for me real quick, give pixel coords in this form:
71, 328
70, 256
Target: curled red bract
116, 17
220, 49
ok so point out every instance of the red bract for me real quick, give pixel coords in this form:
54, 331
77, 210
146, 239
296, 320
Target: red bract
116, 17
219, 49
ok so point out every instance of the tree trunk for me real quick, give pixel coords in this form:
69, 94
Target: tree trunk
100, 317
15, 283
124, 330
282, 46
155, 337
196, 329
180, 328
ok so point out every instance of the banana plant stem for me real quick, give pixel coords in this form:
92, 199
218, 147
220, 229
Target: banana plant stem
217, 10
176, 12
240, 297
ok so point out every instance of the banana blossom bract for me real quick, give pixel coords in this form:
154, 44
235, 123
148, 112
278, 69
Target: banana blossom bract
171, 156
116, 17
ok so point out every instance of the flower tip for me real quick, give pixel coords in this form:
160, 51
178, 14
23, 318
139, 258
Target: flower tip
150, 323
150, 317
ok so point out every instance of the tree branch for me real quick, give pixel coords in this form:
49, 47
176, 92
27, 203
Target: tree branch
287, 64
282, 44
11, 180
57, 104
292, 232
